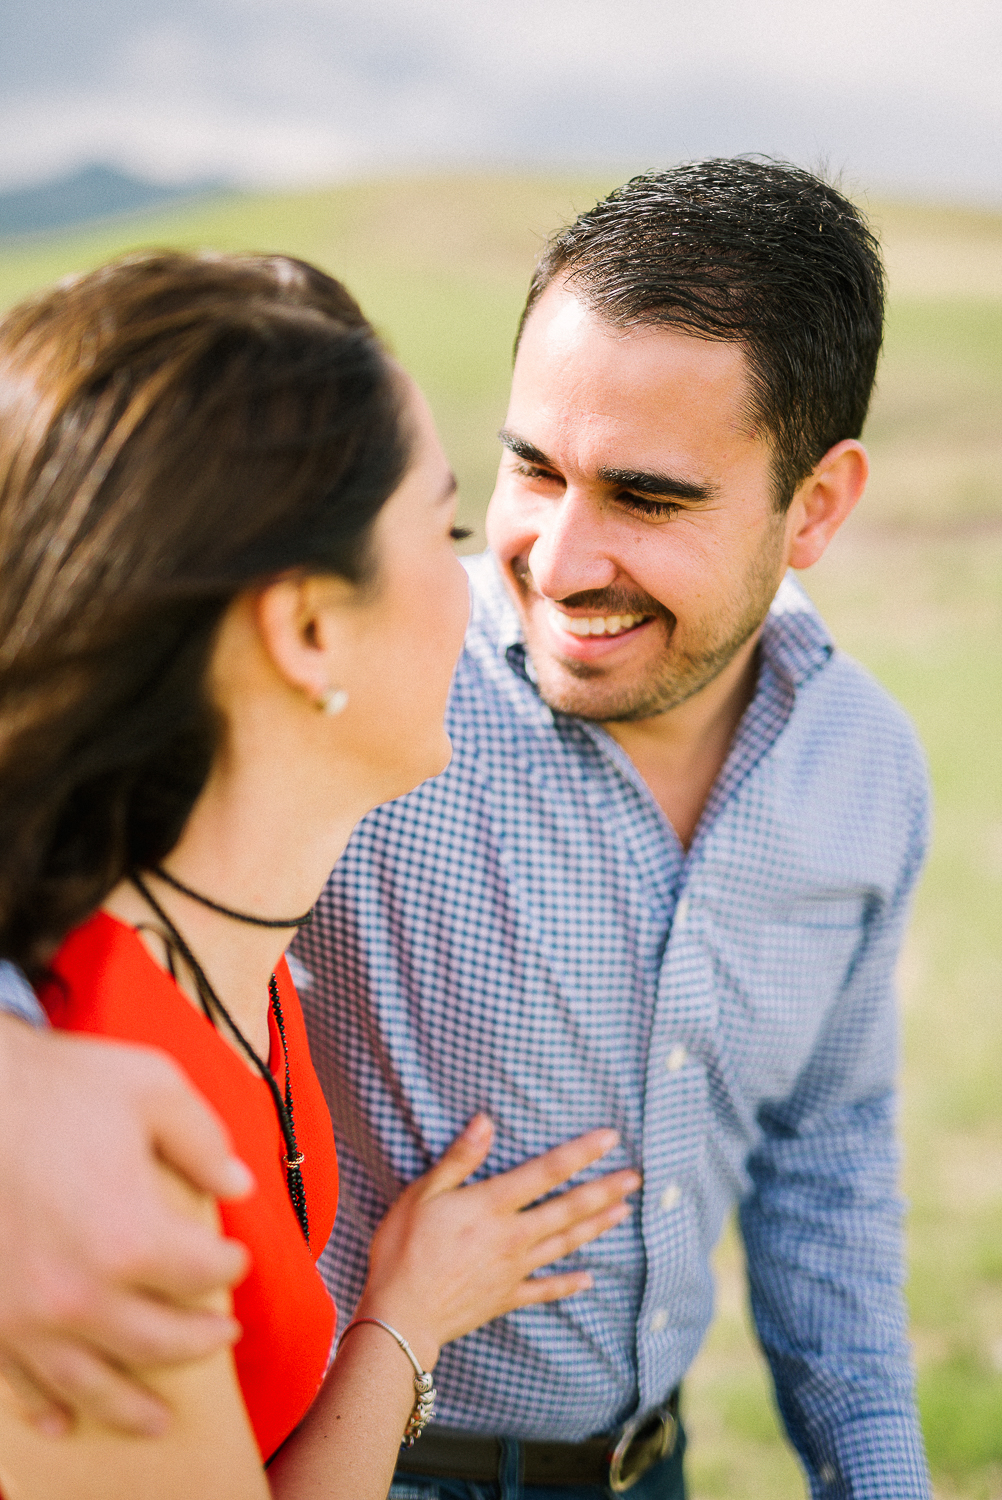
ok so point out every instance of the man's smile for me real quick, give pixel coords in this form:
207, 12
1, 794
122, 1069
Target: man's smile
593, 624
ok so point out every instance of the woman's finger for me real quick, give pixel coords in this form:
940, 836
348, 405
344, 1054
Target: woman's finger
535, 1178
551, 1288
565, 1243
579, 1203
466, 1153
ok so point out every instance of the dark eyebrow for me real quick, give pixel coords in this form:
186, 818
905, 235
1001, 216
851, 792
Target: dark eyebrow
648, 483
522, 449
643, 481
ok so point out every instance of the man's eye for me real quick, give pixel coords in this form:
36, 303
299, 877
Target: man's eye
533, 471
460, 533
655, 510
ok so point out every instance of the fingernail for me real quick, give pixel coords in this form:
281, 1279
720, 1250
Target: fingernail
608, 1139
238, 1179
633, 1182
479, 1126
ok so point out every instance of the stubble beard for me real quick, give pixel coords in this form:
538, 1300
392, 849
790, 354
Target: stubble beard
590, 692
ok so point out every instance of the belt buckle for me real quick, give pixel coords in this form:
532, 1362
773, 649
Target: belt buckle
644, 1442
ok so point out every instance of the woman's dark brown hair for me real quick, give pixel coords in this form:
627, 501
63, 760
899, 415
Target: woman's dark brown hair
173, 430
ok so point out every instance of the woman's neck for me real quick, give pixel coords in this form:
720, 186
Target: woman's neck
261, 840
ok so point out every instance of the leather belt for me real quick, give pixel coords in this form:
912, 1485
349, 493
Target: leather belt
616, 1459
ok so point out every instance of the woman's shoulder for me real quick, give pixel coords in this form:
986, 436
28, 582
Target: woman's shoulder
98, 977
104, 981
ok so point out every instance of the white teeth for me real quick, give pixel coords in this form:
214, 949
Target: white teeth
596, 624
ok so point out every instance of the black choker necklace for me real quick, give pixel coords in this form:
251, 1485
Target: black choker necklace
227, 911
213, 1007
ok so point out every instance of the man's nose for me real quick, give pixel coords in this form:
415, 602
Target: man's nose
569, 555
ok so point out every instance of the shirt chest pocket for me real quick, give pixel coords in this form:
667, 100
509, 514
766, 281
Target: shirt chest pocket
777, 979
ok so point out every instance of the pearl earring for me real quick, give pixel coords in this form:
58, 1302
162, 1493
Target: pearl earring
334, 701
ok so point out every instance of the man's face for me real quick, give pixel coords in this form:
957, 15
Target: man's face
633, 515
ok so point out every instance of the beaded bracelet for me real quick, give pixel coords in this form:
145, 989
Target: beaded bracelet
424, 1387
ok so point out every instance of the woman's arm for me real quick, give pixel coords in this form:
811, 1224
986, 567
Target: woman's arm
445, 1259
207, 1450
347, 1444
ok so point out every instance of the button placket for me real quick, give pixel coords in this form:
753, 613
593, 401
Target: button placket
676, 1107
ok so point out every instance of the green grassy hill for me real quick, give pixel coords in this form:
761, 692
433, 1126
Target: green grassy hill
440, 265
913, 586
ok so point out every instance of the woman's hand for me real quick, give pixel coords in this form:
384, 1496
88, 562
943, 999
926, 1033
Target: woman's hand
447, 1258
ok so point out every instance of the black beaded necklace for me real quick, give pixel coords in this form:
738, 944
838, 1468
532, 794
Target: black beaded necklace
213, 1008
228, 911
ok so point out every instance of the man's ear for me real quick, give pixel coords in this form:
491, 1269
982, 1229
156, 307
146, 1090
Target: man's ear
824, 500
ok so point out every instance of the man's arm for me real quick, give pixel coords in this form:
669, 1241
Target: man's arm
17, 998
822, 1231
208, 1449
95, 1265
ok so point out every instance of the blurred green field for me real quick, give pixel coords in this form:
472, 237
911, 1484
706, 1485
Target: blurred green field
913, 587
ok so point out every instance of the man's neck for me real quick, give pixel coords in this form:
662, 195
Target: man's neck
681, 753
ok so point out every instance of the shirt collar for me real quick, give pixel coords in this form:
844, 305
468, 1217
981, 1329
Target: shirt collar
795, 640
495, 616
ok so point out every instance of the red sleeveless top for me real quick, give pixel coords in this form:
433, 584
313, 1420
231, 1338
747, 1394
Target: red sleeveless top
105, 982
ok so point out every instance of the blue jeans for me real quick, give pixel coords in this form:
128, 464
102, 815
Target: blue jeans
664, 1482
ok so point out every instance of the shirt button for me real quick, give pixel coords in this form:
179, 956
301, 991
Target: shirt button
670, 1197
677, 1058
659, 1320
681, 912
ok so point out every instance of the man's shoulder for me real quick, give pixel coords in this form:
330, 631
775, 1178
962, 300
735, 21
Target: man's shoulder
861, 744
872, 707
835, 694
847, 707
849, 761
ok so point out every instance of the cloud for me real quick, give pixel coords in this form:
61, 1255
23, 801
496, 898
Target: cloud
291, 90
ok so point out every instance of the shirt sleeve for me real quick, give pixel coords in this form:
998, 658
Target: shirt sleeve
822, 1226
17, 998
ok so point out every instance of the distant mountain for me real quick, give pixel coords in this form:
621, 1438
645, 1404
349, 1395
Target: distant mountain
94, 192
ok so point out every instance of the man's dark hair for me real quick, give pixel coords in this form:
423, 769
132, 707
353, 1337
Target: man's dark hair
751, 251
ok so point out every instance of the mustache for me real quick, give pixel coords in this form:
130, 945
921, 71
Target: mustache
614, 602
611, 601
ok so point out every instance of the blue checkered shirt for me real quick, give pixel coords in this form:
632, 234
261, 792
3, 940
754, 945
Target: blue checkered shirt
525, 935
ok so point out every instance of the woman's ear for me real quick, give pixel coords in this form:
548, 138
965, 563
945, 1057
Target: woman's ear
824, 500
298, 624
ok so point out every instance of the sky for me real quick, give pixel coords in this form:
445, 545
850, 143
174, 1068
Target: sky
897, 95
